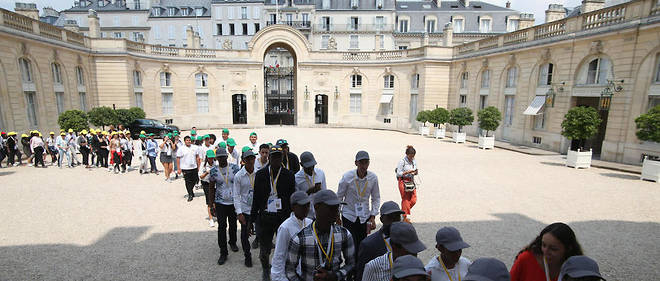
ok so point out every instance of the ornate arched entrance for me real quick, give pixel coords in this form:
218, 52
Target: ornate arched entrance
280, 85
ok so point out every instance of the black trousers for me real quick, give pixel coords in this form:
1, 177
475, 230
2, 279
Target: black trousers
118, 160
2, 156
268, 224
226, 214
358, 230
245, 234
53, 154
152, 161
190, 177
85, 155
128, 157
103, 158
39, 156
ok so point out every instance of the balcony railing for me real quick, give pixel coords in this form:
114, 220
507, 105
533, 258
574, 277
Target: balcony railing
29, 25
604, 17
353, 28
552, 29
383, 55
294, 24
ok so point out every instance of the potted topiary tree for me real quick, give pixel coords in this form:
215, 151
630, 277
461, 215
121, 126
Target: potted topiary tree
461, 116
439, 117
648, 129
423, 117
580, 124
489, 120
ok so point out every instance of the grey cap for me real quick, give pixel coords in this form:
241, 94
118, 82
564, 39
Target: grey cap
390, 207
248, 153
307, 159
487, 269
327, 197
361, 155
299, 198
450, 238
408, 265
404, 233
221, 152
578, 267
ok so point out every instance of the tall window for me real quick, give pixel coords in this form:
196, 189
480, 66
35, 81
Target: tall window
245, 28
168, 104
324, 41
380, 22
244, 13
137, 78
59, 101
171, 11
232, 29
598, 70
545, 74
483, 101
157, 32
325, 23
138, 100
403, 25
355, 23
511, 75
83, 101
326, 4
219, 28
458, 25
165, 79
462, 101
414, 97
508, 110
201, 80
155, 11
512, 25
57, 73
389, 81
26, 70
170, 32
539, 121
184, 12
116, 21
484, 26
80, 76
657, 70
485, 79
354, 42
356, 103
356, 81
202, 102
430, 26
464, 80
415, 81
381, 41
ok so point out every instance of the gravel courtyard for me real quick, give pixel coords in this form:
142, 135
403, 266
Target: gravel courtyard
77, 224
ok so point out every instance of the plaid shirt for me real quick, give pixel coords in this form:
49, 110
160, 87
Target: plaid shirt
304, 249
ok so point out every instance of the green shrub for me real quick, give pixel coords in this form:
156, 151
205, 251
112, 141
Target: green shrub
648, 125
423, 116
73, 119
102, 116
439, 116
461, 116
580, 123
489, 119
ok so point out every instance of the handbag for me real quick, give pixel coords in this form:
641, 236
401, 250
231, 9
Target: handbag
409, 185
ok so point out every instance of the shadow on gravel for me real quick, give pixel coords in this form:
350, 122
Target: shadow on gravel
553, 164
6, 173
622, 249
621, 176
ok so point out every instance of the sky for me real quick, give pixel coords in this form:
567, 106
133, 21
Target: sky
536, 7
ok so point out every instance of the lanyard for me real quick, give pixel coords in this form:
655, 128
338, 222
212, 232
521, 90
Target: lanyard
226, 176
331, 244
387, 245
366, 183
547, 271
273, 182
447, 271
251, 179
311, 184
287, 162
389, 259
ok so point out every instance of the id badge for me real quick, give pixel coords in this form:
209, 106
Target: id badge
226, 194
361, 209
250, 196
274, 205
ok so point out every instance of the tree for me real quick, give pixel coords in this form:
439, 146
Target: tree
423, 116
439, 116
73, 119
102, 116
489, 119
580, 123
137, 112
461, 116
648, 125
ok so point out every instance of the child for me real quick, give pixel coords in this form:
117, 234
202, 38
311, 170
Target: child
449, 264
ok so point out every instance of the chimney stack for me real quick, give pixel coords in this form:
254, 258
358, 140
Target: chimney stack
526, 20
555, 12
94, 25
448, 35
591, 5
508, 4
27, 9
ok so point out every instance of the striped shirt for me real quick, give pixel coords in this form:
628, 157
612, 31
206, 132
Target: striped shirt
303, 248
378, 269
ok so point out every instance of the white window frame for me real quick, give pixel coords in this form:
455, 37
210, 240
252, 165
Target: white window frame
82, 97
354, 41
201, 80
157, 32
483, 101
356, 81
458, 25
431, 25
80, 76
31, 108
414, 83
26, 70
59, 102
325, 4
381, 44
512, 25
324, 41
184, 12
388, 80
155, 11
244, 13
57, 73
355, 23
168, 104
118, 35
485, 28
137, 78
539, 121
462, 101
138, 99
379, 22
485, 79
546, 72
657, 70
356, 103
403, 25
509, 108
595, 76
511, 77
116, 21
171, 11
464, 80
171, 32
166, 79
202, 102
199, 12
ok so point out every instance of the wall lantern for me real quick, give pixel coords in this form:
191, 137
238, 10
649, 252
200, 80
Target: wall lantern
336, 92
551, 94
613, 86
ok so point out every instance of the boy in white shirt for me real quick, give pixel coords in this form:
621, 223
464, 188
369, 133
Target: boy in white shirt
290, 227
310, 179
449, 264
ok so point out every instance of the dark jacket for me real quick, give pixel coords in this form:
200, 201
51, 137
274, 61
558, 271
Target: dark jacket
286, 185
370, 248
294, 163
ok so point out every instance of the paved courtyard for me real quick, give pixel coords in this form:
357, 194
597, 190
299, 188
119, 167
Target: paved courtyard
75, 224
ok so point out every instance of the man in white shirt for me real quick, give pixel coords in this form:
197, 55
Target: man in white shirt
234, 155
449, 264
356, 188
262, 160
243, 195
222, 178
253, 142
404, 241
187, 158
290, 227
310, 179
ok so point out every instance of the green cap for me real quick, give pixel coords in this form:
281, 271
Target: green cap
199, 138
245, 148
231, 142
205, 137
169, 135
151, 134
253, 134
176, 134
142, 136
210, 153
222, 144
193, 132
225, 131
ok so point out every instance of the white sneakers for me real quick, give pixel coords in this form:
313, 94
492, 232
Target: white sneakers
211, 223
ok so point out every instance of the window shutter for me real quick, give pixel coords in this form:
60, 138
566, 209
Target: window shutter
451, 18
506, 20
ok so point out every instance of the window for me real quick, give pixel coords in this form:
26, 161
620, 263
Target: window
138, 100
59, 101
356, 103
356, 81
219, 27
31, 107
83, 101
485, 79
157, 32
354, 42
511, 75
355, 4
403, 47
462, 101
381, 41
653, 102
199, 12
155, 12
230, 13
380, 23
232, 30
413, 106
289, 19
355, 23
324, 41
171, 11
244, 13
483, 101
326, 4
116, 21
79, 75
389, 81
545, 74
484, 26
539, 121
458, 26
379, 4
137, 36
273, 18
165, 79
387, 108
325, 22
403, 26
201, 80
168, 104
57, 73
245, 29
137, 78
508, 110
415, 81
305, 19
657, 71
256, 12
118, 34
170, 31
184, 12
256, 27
464, 80
512, 25
101, 3
430, 26
26, 71
598, 70
202, 102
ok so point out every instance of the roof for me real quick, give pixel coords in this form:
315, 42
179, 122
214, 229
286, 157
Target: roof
476, 6
94, 5
235, 1
284, 3
206, 4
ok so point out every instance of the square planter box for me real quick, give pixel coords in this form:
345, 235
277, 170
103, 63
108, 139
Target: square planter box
440, 133
651, 170
486, 142
424, 131
578, 159
459, 137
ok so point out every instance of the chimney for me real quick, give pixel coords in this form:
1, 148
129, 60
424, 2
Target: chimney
591, 5
466, 3
508, 4
190, 37
526, 21
94, 26
72, 25
27, 9
448, 35
555, 12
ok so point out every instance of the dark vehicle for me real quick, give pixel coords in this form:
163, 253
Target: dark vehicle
151, 126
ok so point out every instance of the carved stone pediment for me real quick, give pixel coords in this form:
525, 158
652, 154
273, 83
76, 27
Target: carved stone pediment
596, 47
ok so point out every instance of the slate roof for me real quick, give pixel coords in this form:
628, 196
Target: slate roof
447, 6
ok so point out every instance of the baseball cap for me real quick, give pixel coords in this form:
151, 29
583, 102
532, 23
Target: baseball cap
231, 142
327, 197
578, 267
281, 142
221, 152
61, 134
408, 265
245, 148
390, 207
142, 136
210, 153
487, 269
222, 145
70, 130
206, 137
193, 132
248, 153
253, 134
307, 159
361, 155
143, 132
225, 131
300, 198
275, 149
51, 133
404, 233
450, 238
11, 134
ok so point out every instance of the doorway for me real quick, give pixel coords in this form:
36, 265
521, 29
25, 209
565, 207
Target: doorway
239, 108
321, 109
279, 84
596, 142
508, 117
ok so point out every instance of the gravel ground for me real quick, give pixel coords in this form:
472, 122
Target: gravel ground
75, 224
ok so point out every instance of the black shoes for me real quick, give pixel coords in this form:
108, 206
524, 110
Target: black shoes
248, 261
222, 259
233, 247
190, 197
255, 244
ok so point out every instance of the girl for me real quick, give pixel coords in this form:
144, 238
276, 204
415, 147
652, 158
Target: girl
167, 149
405, 172
115, 149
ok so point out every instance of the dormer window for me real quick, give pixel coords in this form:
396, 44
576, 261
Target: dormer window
171, 11
155, 11
184, 12
199, 12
